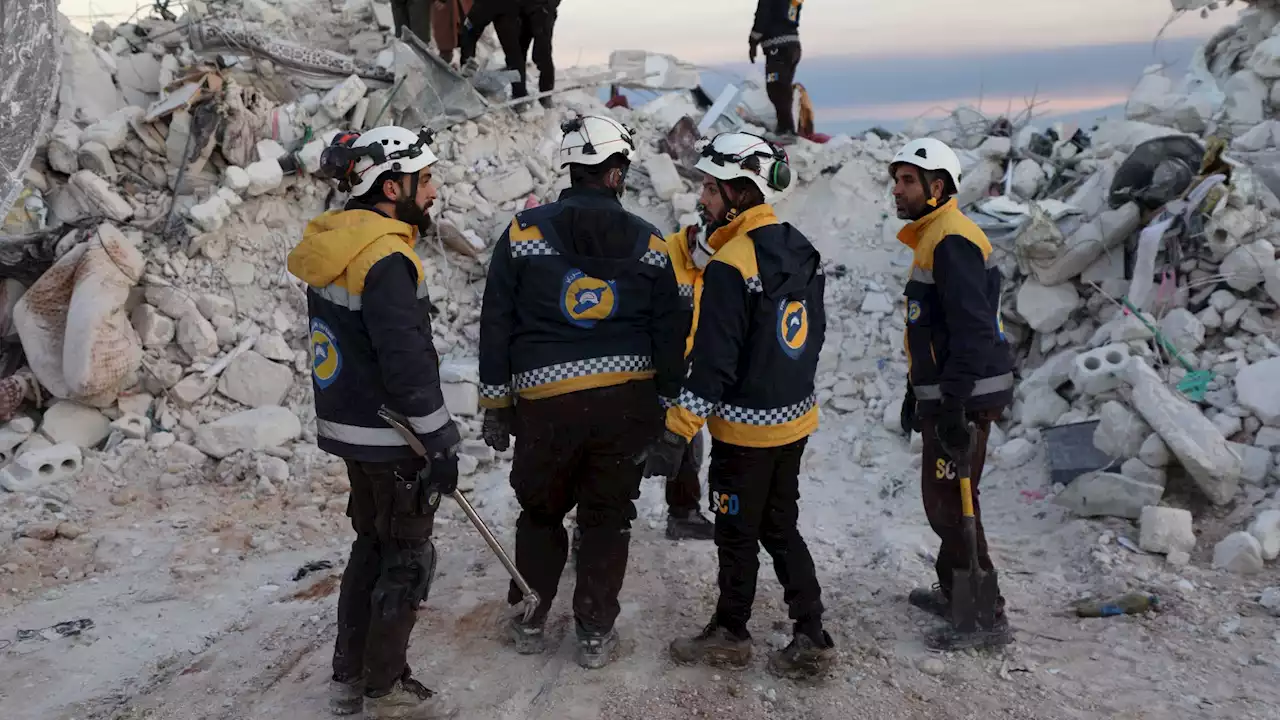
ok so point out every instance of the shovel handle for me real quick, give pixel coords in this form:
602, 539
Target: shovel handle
966, 496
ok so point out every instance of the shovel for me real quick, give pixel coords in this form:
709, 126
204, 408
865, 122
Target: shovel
531, 600
974, 591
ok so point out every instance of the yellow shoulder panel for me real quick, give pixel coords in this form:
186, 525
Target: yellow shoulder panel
740, 253
377, 250
519, 234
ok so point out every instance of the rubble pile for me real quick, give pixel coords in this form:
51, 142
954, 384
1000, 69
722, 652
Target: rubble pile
1142, 285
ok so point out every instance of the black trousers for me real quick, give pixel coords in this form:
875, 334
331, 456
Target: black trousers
940, 491
684, 491
579, 449
780, 65
414, 13
754, 496
389, 573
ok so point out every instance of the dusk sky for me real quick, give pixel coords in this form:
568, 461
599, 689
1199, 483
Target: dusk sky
868, 63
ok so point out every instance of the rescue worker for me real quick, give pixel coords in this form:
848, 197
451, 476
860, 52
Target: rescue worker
959, 362
519, 24
371, 346
689, 256
761, 326
777, 30
580, 334
447, 17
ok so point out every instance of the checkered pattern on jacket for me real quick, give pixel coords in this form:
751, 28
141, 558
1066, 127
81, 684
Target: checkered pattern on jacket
494, 392
655, 258
766, 416
582, 368
529, 248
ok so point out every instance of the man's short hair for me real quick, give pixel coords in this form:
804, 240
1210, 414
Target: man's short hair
593, 175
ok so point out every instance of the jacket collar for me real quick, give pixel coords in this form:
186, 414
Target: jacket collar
753, 219
586, 197
910, 235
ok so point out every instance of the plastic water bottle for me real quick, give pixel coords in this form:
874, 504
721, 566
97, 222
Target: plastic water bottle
1134, 603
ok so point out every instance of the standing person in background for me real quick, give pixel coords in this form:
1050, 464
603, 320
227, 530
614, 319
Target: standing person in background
520, 24
958, 360
537, 25
505, 18
777, 30
446, 23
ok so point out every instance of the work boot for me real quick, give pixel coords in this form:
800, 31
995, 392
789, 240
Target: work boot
951, 639
548, 102
346, 698
595, 650
528, 638
689, 525
804, 658
931, 600
408, 699
715, 645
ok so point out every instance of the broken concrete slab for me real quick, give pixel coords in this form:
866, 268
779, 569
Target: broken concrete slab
1046, 308
253, 380
662, 173
1197, 444
1164, 530
154, 329
97, 196
1255, 463
1104, 494
196, 336
1258, 389
256, 429
95, 158
506, 187
1246, 99
342, 97
1247, 266
113, 130
1042, 407
88, 92
64, 146
70, 422
1120, 432
1182, 330
264, 176
1266, 530
139, 72
1240, 553
1154, 453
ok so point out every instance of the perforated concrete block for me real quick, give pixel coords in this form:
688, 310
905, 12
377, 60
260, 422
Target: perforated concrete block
1100, 369
36, 468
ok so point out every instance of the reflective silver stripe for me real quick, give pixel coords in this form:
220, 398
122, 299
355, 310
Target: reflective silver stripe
526, 248
695, 404
582, 368
921, 275
381, 437
345, 298
655, 258
985, 386
765, 416
495, 392
753, 284
339, 296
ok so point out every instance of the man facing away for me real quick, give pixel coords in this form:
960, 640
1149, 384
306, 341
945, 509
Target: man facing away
959, 362
581, 332
760, 329
371, 346
777, 30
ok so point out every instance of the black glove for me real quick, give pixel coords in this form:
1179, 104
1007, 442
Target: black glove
496, 429
907, 416
662, 457
753, 44
952, 428
442, 476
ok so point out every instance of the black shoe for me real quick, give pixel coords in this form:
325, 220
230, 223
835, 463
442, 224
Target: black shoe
346, 698
951, 640
715, 645
595, 650
932, 601
804, 658
528, 639
547, 102
689, 525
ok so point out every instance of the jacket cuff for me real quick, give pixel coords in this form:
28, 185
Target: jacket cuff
495, 396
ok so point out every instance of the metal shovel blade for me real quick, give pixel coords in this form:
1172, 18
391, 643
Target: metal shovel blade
974, 594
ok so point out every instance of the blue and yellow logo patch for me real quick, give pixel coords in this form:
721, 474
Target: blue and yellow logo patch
913, 310
586, 300
326, 359
793, 326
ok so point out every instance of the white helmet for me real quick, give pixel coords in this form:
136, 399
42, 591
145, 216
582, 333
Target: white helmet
929, 154
733, 155
402, 150
592, 139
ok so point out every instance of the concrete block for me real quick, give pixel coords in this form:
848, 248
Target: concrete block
1046, 308
1240, 553
1121, 432
1101, 369
1164, 530
1258, 388
506, 187
1255, 463
462, 398
1266, 530
70, 422
32, 470
1099, 494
